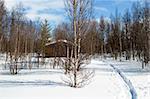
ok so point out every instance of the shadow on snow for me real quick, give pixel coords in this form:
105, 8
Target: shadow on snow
9, 83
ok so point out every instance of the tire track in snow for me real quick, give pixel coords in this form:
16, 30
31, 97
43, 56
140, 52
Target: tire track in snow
127, 81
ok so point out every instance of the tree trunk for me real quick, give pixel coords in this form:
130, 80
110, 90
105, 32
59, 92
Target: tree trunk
75, 41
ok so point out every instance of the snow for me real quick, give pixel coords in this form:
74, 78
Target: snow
47, 83
109, 82
127, 81
140, 78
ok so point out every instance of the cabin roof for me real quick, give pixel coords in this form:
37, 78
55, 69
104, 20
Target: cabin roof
59, 41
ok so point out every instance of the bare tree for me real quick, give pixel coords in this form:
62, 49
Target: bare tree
79, 12
136, 30
116, 36
15, 38
2, 21
102, 28
127, 33
92, 38
146, 32
20, 42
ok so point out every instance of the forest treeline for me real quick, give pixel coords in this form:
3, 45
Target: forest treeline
125, 34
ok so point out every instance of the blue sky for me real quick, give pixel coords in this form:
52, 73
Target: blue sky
53, 10
108, 7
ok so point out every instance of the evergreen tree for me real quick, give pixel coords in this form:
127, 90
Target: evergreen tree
45, 35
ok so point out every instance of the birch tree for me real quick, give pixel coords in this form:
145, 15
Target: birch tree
79, 13
17, 17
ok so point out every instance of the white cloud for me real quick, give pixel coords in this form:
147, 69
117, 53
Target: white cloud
101, 9
49, 17
57, 4
36, 5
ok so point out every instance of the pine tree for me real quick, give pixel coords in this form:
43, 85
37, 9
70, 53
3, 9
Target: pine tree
45, 35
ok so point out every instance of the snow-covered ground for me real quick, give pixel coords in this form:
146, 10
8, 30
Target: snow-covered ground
140, 78
47, 83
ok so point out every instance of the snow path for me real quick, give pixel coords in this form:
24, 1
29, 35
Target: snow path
137, 78
127, 81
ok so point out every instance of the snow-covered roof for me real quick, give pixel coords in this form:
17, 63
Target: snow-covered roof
64, 41
49, 39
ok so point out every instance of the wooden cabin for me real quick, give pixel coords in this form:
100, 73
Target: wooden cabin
59, 48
